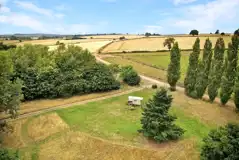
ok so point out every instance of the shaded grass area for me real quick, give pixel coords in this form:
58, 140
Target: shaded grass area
112, 119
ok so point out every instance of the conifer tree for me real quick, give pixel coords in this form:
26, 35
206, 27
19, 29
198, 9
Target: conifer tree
236, 91
174, 67
228, 79
216, 72
190, 79
156, 121
203, 69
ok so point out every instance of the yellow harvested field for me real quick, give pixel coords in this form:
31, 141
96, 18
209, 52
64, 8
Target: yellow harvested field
75, 145
154, 44
48, 42
130, 36
14, 137
45, 125
91, 46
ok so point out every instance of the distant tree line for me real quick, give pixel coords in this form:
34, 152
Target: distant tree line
147, 34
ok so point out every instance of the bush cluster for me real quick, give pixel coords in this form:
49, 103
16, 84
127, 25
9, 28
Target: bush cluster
222, 144
130, 76
64, 72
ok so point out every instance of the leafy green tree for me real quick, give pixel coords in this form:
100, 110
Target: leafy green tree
168, 42
194, 32
228, 79
204, 69
191, 75
222, 144
147, 34
236, 32
156, 122
216, 73
217, 32
174, 67
10, 91
130, 76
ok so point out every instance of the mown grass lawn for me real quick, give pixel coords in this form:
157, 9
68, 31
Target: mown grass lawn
112, 119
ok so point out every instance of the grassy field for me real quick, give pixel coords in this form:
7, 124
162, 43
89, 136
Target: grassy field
159, 60
108, 130
154, 44
151, 64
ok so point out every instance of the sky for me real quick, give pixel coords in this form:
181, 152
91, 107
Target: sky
118, 16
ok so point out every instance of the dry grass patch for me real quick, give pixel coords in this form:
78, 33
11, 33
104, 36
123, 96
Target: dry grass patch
14, 138
45, 125
209, 113
75, 145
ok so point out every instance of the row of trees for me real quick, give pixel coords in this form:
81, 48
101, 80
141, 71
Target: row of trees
214, 72
196, 32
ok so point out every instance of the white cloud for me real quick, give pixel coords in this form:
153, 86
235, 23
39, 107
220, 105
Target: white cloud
4, 9
177, 2
59, 15
206, 17
32, 7
23, 20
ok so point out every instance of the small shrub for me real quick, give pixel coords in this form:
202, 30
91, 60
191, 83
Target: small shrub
130, 76
154, 86
222, 144
122, 38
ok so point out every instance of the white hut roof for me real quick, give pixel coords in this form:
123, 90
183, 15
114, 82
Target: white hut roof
135, 98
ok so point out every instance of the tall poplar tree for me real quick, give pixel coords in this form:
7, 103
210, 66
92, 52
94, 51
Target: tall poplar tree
216, 72
228, 79
191, 75
174, 67
204, 69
